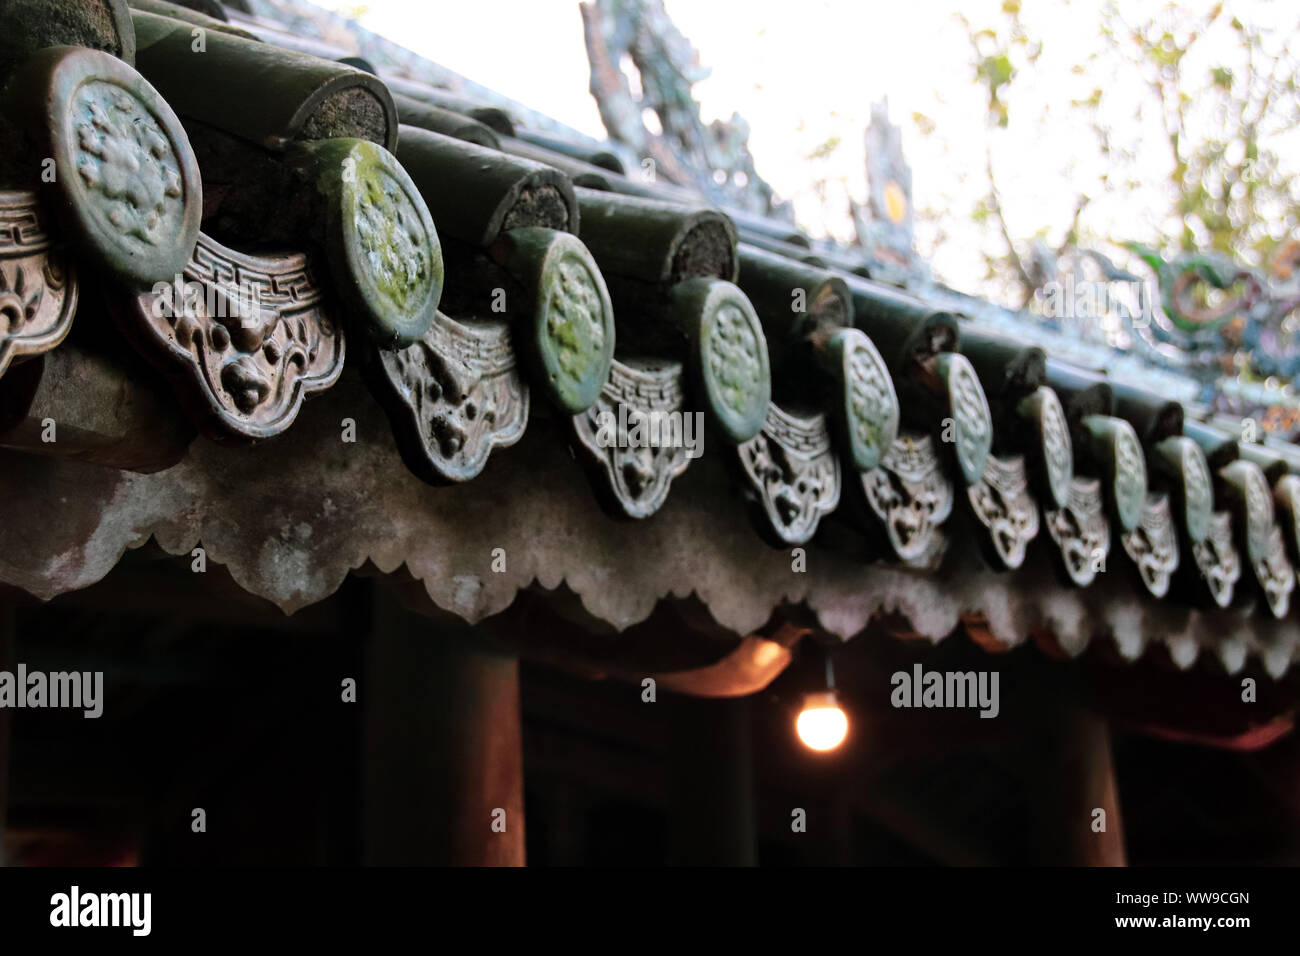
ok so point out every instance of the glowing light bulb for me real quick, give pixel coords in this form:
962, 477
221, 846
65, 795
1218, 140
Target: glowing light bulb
822, 724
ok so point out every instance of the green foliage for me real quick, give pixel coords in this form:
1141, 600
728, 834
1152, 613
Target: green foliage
1222, 92
999, 56
825, 148
1230, 195
923, 123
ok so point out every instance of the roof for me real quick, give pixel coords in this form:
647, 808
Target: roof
419, 335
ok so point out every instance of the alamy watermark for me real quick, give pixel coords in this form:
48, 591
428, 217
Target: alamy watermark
182, 296
82, 690
633, 428
1126, 300
922, 688
76, 908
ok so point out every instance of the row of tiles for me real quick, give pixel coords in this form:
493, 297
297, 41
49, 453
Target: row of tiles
462, 271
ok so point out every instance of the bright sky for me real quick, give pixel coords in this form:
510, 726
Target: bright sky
803, 72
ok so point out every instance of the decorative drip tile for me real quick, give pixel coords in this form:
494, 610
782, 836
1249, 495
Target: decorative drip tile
38, 289
912, 497
452, 397
635, 434
1153, 545
1217, 559
1003, 504
793, 471
243, 339
1081, 532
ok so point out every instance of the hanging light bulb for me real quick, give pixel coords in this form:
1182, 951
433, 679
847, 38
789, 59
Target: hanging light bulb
822, 724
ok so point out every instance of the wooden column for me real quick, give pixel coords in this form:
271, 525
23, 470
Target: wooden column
1074, 775
443, 749
713, 817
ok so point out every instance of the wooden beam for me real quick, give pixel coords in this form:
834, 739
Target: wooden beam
105, 405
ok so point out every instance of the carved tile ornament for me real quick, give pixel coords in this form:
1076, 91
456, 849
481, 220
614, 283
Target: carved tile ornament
1265, 546
1121, 465
126, 180
38, 288
574, 315
1153, 545
1048, 447
912, 497
1263, 539
1258, 507
1198, 489
569, 333
1217, 559
244, 339
452, 397
727, 362
733, 356
636, 433
389, 236
1286, 499
1002, 504
1130, 477
384, 253
1057, 448
1275, 575
1081, 531
794, 471
972, 421
866, 405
